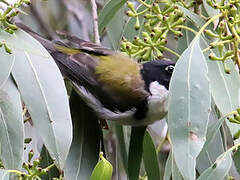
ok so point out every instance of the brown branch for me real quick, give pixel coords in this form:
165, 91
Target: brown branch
95, 22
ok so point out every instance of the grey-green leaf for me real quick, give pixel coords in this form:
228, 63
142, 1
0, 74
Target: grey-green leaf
108, 12
224, 87
150, 158
6, 63
4, 174
43, 91
84, 152
189, 106
219, 169
11, 126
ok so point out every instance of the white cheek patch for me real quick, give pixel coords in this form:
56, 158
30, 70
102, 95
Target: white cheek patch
158, 90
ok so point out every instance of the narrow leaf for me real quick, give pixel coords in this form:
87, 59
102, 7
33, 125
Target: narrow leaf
135, 152
108, 12
84, 152
225, 88
6, 63
43, 91
11, 126
189, 105
219, 169
236, 159
150, 158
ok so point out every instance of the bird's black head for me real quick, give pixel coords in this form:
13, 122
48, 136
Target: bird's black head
157, 70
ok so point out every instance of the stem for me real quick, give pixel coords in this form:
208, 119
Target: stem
95, 22
143, 3
187, 28
207, 23
171, 51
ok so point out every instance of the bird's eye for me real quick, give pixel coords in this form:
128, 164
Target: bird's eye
169, 68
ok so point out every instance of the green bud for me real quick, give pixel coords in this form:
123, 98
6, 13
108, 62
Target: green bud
213, 57
149, 16
131, 14
30, 155
180, 21
156, 9
227, 70
228, 54
210, 3
237, 135
8, 30
27, 140
36, 162
131, 6
147, 26
159, 53
8, 10
210, 33
233, 10
137, 24
147, 53
238, 110
7, 49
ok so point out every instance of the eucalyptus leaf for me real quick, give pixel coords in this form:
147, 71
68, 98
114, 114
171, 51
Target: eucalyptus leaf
44, 94
6, 63
225, 87
11, 126
108, 12
219, 169
189, 107
122, 145
84, 152
236, 159
4, 174
150, 158
135, 152
115, 30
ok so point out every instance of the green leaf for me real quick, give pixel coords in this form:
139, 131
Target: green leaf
171, 169
108, 12
103, 170
189, 105
11, 126
150, 158
23, 42
168, 167
194, 17
236, 159
135, 152
43, 91
213, 146
224, 87
46, 161
115, 30
4, 174
84, 152
6, 63
122, 145
219, 169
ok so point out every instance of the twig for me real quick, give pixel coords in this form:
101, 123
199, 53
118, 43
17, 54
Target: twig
95, 22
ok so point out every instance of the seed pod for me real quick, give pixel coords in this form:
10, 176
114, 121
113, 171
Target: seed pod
103, 170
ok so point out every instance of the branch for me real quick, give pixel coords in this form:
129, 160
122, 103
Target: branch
95, 22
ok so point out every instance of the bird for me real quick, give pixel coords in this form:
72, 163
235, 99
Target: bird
112, 84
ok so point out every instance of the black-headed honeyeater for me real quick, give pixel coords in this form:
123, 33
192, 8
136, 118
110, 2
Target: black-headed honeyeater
114, 86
